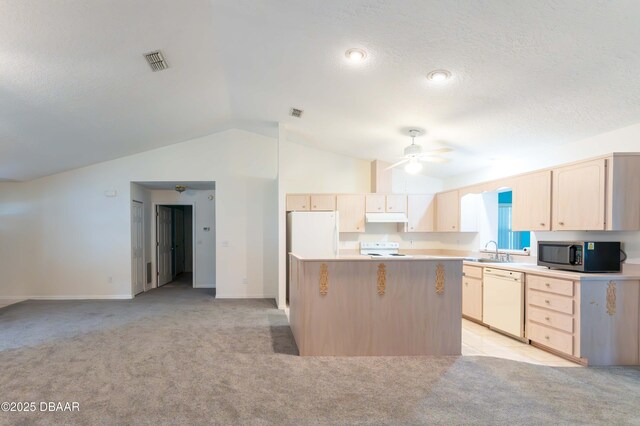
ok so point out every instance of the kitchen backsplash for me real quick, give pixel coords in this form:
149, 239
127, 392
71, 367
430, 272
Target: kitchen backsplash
472, 242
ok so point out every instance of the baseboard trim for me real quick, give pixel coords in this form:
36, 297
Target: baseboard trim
244, 296
83, 297
204, 286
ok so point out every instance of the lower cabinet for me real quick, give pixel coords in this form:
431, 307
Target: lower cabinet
551, 314
595, 322
472, 293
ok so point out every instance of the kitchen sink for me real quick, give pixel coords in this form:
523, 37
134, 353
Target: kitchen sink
483, 260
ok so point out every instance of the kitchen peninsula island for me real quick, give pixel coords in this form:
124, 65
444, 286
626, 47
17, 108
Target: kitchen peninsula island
359, 306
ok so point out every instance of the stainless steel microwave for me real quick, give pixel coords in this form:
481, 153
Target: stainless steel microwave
581, 256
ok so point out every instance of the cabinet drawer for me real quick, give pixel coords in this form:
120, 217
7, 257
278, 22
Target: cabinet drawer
554, 339
472, 271
552, 285
552, 319
549, 301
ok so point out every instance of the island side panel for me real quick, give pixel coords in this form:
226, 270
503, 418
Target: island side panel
411, 317
295, 299
338, 323
609, 322
355, 319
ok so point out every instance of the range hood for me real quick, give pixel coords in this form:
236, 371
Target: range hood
386, 218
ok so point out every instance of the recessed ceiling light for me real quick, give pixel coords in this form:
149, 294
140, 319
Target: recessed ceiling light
439, 76
356, 55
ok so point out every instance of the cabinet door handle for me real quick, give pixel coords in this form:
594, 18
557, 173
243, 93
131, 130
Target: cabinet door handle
547, 301
390, 208
547, 284
314, 206
541, 224
304, 207
561, 223
547, 318
546, 337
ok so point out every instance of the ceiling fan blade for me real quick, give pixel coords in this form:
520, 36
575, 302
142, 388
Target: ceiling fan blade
434, 159
438, 151
397, 164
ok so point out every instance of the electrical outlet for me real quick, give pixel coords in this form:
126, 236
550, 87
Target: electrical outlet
225, 244
245, 281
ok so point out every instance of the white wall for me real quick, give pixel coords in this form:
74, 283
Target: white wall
306, 169
61, 237
626, 139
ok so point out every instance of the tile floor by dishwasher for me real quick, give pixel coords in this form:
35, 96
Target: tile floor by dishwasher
478, 340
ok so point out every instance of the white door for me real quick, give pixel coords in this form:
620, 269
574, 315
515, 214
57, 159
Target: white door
178, 241
163, 244
137, 253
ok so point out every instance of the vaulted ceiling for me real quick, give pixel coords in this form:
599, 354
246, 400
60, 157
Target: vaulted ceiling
75, 88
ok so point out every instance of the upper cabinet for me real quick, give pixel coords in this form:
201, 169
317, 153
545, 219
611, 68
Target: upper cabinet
323, 202
623, 192
396, 203
420, 213
351, 210
379, 203
597, 195
447, 212
375, 203
298, 203
531, 208
579, 196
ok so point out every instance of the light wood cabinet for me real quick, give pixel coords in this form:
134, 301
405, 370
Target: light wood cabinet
447, 212
298, 203
579, 196
351, 209
472, 293
420, 213
396, 203
591, 321
375, 203
532, 202
379, 203
323, 202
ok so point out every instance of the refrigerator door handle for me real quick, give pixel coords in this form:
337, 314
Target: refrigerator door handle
337, 241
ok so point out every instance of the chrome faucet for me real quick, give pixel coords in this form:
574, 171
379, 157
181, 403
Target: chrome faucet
496, 244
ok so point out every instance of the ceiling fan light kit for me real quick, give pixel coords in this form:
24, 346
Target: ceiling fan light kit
414, 156
413, 166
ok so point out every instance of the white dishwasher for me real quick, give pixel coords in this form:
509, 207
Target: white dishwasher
503, 301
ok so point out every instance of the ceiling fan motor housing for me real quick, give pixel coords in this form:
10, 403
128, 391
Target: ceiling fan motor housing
412, 150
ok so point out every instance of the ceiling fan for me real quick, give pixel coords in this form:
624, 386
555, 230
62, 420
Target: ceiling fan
414, 156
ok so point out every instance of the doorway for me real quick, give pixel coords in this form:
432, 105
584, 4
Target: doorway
174, 244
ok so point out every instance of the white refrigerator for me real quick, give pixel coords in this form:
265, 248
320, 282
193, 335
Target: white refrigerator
312, 234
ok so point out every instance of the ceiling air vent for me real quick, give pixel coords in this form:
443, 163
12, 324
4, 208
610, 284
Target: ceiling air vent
295, 112
156, 61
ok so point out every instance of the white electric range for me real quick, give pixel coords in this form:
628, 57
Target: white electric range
382, 250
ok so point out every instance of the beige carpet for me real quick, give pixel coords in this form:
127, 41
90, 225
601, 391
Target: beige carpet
178, 356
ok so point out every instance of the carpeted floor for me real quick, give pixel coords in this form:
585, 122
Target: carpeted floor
178, 356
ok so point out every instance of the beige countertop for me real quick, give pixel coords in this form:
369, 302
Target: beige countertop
543, 270
360, 257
